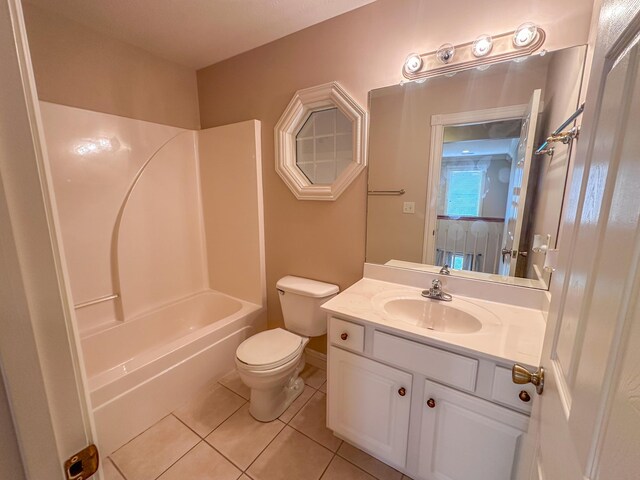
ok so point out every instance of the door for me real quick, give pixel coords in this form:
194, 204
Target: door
40, 361
463, 437
587, 422
361, 389
517, 192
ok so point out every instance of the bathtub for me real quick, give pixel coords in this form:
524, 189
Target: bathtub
143, 368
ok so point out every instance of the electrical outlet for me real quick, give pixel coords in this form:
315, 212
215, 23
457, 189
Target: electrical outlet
409, 207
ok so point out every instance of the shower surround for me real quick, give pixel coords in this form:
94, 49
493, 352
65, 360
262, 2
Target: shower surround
163, 239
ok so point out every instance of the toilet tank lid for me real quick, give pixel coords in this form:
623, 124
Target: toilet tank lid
306, 287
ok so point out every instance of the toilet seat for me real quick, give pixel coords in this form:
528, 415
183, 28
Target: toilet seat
270, 349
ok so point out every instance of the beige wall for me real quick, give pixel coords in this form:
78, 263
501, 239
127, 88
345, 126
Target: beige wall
400, 144
363, 49
80, 67
232, 210
10, 463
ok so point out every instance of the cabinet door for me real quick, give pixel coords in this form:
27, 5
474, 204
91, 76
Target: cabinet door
368, 405
464, 437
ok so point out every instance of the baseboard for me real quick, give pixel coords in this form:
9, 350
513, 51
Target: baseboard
315, 358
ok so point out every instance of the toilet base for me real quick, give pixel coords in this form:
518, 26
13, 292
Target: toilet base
268, 404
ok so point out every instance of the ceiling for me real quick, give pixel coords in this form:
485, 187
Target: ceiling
475, 148
197, 33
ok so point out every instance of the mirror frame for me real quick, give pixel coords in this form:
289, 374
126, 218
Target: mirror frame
301, 106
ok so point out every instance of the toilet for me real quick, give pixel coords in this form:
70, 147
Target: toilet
270, 362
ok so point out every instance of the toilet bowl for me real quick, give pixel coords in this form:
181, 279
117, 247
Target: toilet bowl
270, 362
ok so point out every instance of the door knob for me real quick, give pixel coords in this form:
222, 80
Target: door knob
522, 376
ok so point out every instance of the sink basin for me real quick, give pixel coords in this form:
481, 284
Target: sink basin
432, 315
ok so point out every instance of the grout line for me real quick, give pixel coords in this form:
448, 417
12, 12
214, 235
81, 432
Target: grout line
327, 467
232, 391
177, 460
110, 460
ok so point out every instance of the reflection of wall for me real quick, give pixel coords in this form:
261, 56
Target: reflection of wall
77, 66
561, 100
400, 131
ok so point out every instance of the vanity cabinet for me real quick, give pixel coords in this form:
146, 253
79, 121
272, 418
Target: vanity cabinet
432, 413
464, 437
369, 405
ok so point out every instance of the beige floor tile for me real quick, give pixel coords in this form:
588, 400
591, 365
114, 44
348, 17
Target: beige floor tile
202, 463
153, 451
297, 404
369, 464
209, 409
313, 376
291, 456
232, 381
312, 421
340, 469
323, 387
241, 438
244, 477
404, 477
110, 472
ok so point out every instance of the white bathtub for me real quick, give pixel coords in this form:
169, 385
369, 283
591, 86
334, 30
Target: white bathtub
142, 369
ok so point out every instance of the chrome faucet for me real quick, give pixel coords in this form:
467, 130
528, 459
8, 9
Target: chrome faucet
445, 270
436, 293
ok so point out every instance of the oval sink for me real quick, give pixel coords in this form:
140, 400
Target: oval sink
432, 315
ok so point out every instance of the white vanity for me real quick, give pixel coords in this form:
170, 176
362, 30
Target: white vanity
425, 386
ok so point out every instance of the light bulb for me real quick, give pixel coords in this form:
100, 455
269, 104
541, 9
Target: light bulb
413, 63
482, 46
524, 35
445, 53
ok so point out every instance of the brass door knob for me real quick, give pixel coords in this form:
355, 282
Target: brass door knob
344, 336
522, 376
431, 403
402, 391
524, 396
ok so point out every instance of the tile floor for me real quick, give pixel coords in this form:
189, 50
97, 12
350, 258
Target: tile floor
213, 437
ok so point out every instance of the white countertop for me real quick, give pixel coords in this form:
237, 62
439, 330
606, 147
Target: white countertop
509, 334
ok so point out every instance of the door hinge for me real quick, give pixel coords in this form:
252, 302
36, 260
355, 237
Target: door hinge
83, 464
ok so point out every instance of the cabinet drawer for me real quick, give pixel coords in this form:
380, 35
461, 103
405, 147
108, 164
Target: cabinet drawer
436, 364
347, 334
507, 392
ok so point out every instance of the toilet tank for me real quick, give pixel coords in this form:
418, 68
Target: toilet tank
300, 299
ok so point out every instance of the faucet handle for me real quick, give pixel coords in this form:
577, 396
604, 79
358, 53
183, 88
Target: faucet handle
436, 283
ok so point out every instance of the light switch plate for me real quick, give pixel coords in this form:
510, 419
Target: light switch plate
409, 207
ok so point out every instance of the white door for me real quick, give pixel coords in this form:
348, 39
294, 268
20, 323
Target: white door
466, 438
587, 422
360, 390
38, 345
518, 183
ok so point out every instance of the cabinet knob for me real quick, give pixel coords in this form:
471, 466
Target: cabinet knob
524, 396
402, 391
344, 336
431, 403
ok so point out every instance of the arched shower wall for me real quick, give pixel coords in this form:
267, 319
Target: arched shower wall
158, 248
156, 254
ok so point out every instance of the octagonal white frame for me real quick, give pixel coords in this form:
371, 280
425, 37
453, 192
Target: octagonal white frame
302, 105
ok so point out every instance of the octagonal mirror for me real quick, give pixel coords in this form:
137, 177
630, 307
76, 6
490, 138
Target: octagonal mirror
321, 142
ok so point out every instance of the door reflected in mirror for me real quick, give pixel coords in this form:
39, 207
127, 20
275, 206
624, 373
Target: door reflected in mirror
462, 149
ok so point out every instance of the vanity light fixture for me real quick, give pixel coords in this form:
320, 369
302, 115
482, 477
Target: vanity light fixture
482, 46
445, 53
525, 34
481, 53
413, 63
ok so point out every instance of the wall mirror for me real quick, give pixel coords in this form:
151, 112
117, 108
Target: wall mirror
321, 142
454, 178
